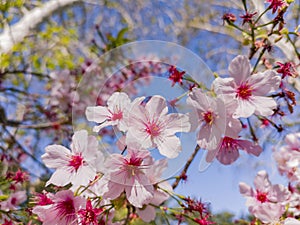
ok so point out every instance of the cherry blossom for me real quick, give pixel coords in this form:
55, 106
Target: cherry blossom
276, 4
20, 176
89, 215
151, 126
210, 115
227, 151
43, 198
76, 166
63, 210
229, 18
288, 157
175, 75
14, 200
114, 114
63, 94
266, 201
128, 173
248, 17
248, 91
287, 69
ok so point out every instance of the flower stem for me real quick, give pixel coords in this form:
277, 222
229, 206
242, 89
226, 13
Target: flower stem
258, 18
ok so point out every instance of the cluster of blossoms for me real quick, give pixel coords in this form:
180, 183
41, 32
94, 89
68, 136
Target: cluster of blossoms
135, 175
239, 96
276, 204
13, 195
271, 204
92, 186
97, 180
63, 84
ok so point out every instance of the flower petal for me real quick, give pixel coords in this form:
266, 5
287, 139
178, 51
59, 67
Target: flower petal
168, 146
56, 156
97, 114
118, 102
264, 83
245, 108
60, 177
176, 122
245, 189
79, 141
239, 68
264, 105
224, 86
227, 157
156, 106
261, 181
198, 100
250, 147
148, 214
138, 194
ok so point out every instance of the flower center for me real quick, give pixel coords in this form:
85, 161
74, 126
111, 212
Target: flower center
244, 91
117, 116
13, 201
208, 117
66, 209
262, 196
76, 161
133, 165
229, 144
133, 161
44, 200
90, 217
152, 129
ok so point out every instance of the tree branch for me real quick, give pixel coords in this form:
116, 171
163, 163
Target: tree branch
16, 33
186, 167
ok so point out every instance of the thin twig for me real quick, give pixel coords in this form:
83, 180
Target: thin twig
24, 150
37, 74
186, 167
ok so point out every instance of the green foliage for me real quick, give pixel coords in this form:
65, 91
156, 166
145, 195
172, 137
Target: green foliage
5, 5
117, 41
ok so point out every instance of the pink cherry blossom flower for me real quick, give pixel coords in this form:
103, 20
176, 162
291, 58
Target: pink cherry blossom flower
210, 115
127, 173
266, 201
227, 149
151, 126
14, 200
62, 92
175, 75
293, 141
287, 69
63, 210
114, 114
89, 215
248, 91
275, 4
77, 166
248, 17
288, 157
43, 198
227, 152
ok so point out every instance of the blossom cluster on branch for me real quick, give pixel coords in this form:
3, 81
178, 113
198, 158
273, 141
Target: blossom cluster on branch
88, 181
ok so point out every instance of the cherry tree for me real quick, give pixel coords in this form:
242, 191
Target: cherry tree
88, 136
